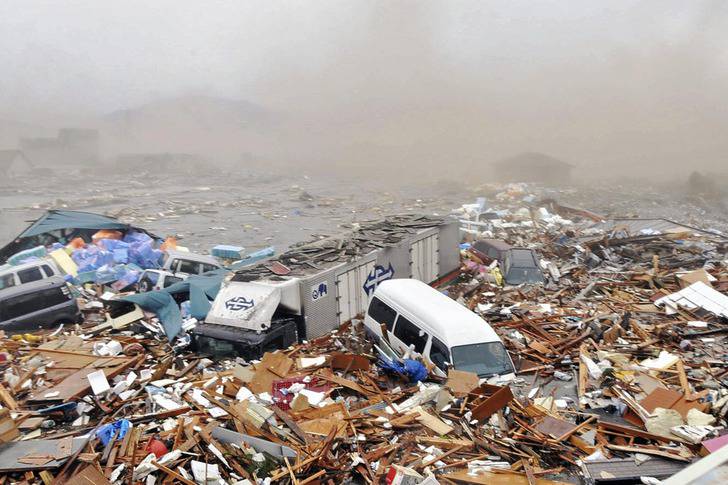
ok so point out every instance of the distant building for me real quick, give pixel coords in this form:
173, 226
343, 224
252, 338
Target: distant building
81, 144
46, 151
533, 167
14, 163
160, 162
72, 146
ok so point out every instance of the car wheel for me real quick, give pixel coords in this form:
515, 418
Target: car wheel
144, 286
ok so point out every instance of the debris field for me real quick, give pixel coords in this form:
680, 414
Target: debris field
620, 375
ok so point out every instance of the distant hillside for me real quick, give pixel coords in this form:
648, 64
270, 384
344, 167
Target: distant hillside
194, 124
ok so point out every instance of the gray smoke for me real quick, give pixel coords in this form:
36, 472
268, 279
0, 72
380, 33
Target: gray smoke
615, 88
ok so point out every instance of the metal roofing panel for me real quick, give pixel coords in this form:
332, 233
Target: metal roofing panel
697, 295
619, 469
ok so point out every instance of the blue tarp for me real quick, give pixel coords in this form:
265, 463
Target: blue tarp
106, 433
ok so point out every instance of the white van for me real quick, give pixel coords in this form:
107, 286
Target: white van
27, 273
442, 330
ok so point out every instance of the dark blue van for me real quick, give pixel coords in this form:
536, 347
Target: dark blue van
40, 304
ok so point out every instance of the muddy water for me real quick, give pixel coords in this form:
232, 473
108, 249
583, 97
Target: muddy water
253, 210
259, 209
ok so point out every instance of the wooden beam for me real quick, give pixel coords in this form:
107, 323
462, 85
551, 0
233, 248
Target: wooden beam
173, 473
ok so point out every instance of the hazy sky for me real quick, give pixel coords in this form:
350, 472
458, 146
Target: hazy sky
603, 81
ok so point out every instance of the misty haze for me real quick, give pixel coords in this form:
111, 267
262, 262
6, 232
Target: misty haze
306, 152
391, 94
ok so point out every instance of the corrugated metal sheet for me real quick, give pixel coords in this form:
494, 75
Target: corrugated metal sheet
617, 470
424, 258
350, 292
697, 295
449, 252
319, 309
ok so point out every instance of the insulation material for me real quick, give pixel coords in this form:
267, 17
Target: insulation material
245, 305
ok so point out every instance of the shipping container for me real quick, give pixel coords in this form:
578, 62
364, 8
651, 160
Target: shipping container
335, 277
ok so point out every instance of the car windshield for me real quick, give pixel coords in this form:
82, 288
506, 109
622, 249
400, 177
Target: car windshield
6, 281
517, 276
484, 359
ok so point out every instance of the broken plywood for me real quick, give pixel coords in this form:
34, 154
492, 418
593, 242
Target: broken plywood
273, 367
461, 382
497, 398
11, 454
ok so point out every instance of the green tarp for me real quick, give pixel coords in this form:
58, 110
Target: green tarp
55, 220
61, 226
201, 290
164, 306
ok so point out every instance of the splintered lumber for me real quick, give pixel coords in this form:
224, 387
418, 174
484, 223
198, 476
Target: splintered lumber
498, 399
444, 442
172, 473
441, 456
648, 451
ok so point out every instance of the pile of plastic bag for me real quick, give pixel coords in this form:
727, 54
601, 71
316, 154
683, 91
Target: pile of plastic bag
116, 260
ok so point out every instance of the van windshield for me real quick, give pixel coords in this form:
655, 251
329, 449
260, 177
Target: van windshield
485, 359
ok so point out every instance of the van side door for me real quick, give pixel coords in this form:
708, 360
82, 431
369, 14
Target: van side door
439, 354
381, 314
407, 333
17, 308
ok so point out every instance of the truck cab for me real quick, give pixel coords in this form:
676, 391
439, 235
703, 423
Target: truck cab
249, 318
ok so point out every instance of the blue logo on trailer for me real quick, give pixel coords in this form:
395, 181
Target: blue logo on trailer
320, 291
377, 275
239, 303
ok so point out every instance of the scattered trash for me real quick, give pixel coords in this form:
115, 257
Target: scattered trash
608, 363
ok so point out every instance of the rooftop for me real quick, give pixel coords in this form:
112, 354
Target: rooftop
318, 255
523, 258
459, 325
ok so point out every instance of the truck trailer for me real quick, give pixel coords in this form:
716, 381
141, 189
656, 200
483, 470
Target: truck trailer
314, 287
